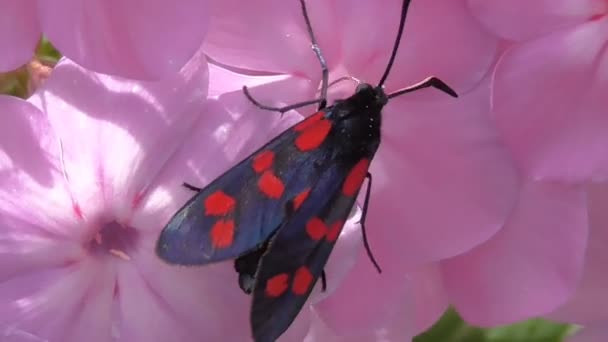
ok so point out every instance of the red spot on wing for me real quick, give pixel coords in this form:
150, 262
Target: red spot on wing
219, 204
316, 228
222, 233
263, 161
270, 185
334, 231
311, 120
302, 281
313, 136
355, 178
277, 285
300, 198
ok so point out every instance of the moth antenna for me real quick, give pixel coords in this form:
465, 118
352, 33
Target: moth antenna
319, 54
404, 10
428, 82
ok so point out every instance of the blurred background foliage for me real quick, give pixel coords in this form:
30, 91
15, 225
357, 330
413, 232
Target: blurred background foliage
17, 82
450, 328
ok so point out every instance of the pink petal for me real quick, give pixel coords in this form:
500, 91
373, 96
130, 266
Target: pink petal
430, 298
443, 182
32, 188
26, 248
523, 19
113, 135
271, 36
590, 302
54, 304
137, 39
19, 32
397, 329
395, 305
441, 38
549, 101
348, 313
184, 303
531, 266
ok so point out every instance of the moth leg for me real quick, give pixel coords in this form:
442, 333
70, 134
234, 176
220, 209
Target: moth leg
323, 281
362, 221
317, 51
191, 187
281, 110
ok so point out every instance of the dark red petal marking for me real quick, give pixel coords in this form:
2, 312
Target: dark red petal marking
77, 211
302, 281
316, 228
219, 204
270, 185
313, 136
263, 161
277, 285
300, 198
334, 231
222, 233
308, 121
355, 178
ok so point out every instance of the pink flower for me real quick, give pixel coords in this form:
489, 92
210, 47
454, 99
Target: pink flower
91, 169
549, 87
451, 218
531, 266
588, 306
81, 167
546, 100
138, 39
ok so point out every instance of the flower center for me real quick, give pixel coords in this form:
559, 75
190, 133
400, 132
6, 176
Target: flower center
115, 239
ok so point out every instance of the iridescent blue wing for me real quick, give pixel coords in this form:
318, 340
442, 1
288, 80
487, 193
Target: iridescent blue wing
242, 208
298, 252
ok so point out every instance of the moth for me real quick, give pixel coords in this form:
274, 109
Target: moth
280, 211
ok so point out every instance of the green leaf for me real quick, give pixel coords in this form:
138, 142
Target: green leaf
46, 52
451, 328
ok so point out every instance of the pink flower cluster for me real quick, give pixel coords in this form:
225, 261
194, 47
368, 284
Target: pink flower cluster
492, 202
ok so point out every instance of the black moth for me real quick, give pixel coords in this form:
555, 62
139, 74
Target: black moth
279, 212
